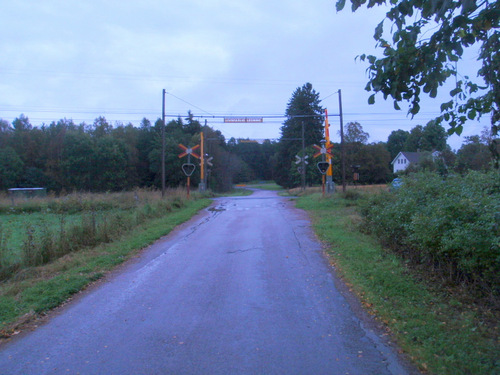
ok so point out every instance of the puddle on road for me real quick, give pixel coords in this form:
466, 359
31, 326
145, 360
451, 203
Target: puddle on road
217, 209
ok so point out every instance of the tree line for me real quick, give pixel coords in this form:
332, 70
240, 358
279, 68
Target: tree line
370, 161
64, 156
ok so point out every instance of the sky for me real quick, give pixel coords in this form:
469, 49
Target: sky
217, 58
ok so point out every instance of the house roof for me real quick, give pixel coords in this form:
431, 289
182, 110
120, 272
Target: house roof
413, 157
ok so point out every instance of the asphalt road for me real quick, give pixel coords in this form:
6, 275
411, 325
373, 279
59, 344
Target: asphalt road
243, 288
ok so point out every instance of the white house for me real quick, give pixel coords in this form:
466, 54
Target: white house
404, 159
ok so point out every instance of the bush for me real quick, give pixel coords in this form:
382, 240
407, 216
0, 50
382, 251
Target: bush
451, 224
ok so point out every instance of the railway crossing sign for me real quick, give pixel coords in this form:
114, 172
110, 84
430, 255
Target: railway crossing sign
323, 150
299, 159
189, 151
188, 168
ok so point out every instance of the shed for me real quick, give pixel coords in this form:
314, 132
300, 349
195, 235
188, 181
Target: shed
28, 192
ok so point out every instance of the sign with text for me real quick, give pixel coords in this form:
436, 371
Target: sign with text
243, 120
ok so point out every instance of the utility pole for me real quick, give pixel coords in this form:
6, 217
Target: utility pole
342, 146
163, 146
303, 172
202, 186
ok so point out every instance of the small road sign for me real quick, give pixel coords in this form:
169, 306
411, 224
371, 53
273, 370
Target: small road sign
243, 120
188, 168
323, 166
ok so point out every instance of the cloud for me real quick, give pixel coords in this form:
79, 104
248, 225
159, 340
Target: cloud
81, 60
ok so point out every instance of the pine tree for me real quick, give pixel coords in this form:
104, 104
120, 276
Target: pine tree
303, 110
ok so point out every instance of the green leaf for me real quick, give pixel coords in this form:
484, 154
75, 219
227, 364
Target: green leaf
379, 30
447, 105
372, 59
415, 109
371, 99
396, 106
340, 5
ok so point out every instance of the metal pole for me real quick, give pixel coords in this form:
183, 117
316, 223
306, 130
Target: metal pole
202, 186
163, 147
342, 147
303, 172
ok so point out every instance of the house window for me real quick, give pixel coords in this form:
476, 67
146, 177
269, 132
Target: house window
405, 161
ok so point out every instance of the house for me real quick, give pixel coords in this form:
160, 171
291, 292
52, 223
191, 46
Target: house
405, 158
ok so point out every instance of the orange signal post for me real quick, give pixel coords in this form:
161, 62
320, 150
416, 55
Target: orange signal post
323, 151
188, 151
329, 146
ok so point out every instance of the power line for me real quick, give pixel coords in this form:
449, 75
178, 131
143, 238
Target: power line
182, 100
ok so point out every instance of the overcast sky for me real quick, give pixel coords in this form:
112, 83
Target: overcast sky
83, 59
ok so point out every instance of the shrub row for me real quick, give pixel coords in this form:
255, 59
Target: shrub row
450, 224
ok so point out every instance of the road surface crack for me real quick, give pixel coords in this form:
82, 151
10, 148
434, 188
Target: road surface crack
243, 250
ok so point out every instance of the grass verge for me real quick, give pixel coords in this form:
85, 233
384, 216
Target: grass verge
36, 290
439, 333
265, 186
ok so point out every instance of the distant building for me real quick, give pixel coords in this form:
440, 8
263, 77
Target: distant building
27, 192
404, 159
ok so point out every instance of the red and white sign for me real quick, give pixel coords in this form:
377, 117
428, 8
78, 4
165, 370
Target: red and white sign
189, 151
327, 150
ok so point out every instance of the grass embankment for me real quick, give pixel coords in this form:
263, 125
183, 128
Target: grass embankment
441, 334
265, 185
28, 290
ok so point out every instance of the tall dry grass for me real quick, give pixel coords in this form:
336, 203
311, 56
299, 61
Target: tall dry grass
77, 221
338, 189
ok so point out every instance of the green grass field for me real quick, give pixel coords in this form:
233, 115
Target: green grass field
28, 290
15, 226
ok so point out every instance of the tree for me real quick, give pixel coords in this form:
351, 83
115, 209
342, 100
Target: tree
192, 126
256, 156
355, 139
22, 124
77, 162
428, 38
303, 109
145, 143
110, 162
354, 133
11, 168
373, 161
5, 133
431, 137
434, 137
101, 127
34, 177
396, 142
473, 155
